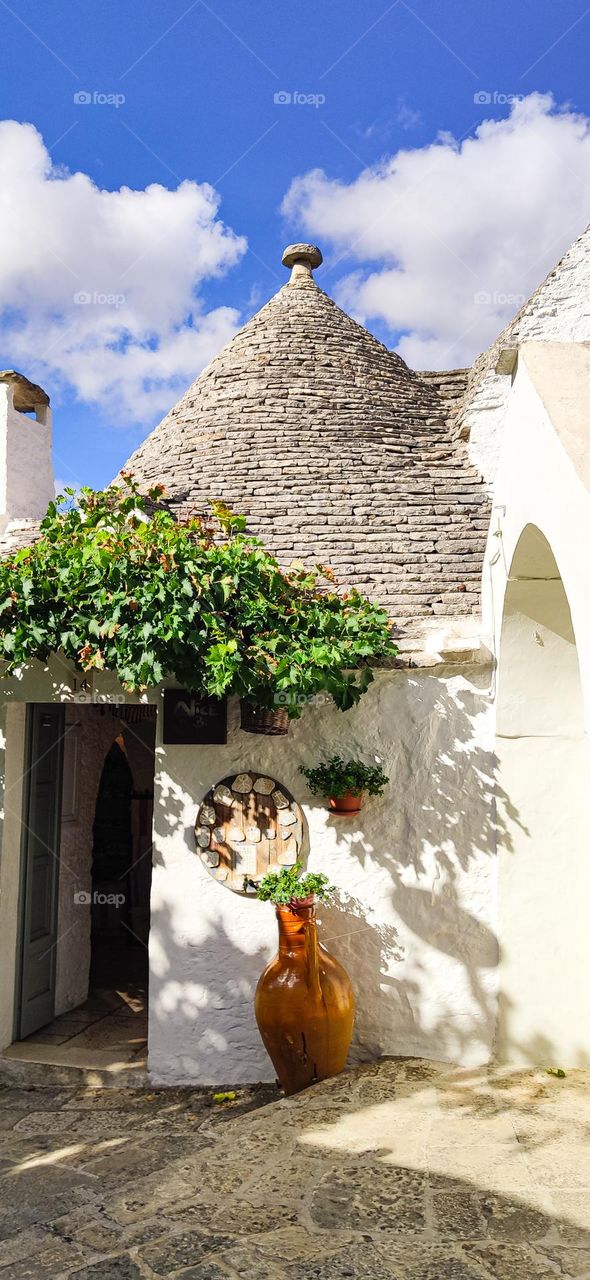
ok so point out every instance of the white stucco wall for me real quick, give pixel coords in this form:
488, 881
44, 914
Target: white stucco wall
538, 483
416, 924
26, 467
537, 616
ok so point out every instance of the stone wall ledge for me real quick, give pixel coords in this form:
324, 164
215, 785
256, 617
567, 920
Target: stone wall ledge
421, 659
438, 642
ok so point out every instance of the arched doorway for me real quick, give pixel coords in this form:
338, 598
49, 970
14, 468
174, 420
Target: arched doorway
121, 877
543, 820
112, 851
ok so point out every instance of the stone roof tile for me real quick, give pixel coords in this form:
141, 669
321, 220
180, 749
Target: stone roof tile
336, 452
18, 534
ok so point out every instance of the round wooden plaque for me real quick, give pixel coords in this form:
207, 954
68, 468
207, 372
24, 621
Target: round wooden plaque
248, 824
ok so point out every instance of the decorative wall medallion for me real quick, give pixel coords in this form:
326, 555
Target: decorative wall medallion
247, 825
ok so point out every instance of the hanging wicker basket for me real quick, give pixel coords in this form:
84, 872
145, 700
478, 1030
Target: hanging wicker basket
272, 721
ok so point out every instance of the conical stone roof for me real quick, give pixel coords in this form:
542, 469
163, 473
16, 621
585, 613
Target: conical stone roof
335, 451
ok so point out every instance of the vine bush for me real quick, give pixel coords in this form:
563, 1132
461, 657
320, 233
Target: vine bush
116, 582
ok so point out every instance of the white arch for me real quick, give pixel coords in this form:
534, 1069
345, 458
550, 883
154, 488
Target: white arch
541, 482
543, 818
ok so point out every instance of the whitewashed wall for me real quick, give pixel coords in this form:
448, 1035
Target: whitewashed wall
416, 871
26, 468
542, 642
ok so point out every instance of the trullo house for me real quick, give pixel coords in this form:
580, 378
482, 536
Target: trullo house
461, 501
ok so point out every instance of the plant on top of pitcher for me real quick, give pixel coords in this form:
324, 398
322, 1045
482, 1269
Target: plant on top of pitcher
289, 886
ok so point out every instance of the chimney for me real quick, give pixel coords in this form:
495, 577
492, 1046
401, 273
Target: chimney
26, 468
302, 259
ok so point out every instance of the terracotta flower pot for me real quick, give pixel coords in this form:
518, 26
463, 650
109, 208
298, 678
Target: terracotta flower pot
347, 804
304, 1003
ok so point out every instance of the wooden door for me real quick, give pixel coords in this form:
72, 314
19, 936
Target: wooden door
40, 867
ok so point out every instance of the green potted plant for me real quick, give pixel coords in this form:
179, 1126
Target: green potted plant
304, 1001
345, 782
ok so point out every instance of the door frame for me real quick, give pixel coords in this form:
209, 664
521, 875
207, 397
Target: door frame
32, 710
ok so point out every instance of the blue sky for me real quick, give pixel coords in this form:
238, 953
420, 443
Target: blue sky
419, 147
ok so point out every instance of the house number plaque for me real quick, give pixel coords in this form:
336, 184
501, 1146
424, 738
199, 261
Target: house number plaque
246, 825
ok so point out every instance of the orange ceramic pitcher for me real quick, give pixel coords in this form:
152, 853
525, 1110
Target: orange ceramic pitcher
304, 1003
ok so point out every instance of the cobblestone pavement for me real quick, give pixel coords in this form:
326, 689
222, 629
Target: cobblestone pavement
399, 1169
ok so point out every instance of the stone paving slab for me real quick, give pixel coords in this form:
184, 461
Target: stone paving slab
398, 1170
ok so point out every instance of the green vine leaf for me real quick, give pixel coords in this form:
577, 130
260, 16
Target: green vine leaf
117, 583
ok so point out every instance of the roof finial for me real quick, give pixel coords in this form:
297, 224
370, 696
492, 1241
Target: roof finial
302, 258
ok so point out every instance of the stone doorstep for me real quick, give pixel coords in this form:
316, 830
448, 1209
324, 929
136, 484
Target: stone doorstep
39, 1072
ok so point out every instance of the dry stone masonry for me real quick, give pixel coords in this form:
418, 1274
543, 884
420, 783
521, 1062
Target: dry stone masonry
335, 451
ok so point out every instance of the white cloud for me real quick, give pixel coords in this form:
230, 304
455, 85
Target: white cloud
444, 223
99, 289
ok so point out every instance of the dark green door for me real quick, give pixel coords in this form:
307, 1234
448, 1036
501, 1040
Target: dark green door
40, 867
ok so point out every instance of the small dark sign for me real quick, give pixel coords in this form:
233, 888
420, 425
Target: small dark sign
192, 720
